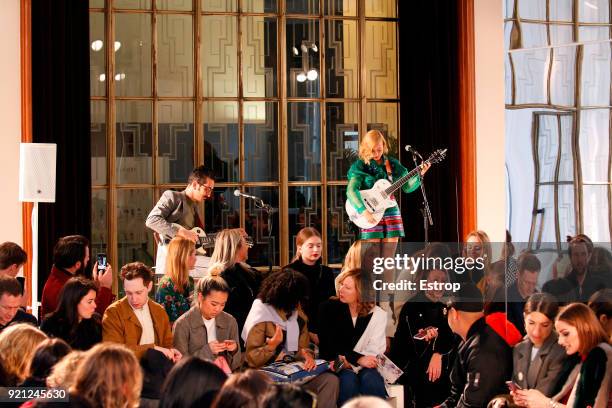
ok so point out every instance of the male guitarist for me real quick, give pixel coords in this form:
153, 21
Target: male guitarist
176, 212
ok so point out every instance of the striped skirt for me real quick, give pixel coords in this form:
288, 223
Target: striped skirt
390, 226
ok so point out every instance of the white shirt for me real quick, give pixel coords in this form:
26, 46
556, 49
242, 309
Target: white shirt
534, 352
146, 321
211, 329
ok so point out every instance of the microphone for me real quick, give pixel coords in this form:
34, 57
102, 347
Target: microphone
412, 150
239, 193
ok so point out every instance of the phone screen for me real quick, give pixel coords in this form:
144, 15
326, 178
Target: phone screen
101, 261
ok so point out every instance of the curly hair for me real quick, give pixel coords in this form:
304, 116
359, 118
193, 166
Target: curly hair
285, 290
17, 346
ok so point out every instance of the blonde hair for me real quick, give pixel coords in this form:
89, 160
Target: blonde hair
177, 268
227, 244
352, 260
109, 376
302, 236
17, 346
63, 372
483, 237
368, 142
364, 307
590, 331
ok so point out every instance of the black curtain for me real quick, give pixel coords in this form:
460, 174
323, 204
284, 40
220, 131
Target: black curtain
60, 114
429, 82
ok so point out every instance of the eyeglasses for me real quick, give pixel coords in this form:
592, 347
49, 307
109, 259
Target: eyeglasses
207, 188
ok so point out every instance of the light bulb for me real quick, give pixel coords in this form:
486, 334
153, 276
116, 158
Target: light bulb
102, 77
117, 45
97, 45
295, 51
301, 77
314, 47
312, 75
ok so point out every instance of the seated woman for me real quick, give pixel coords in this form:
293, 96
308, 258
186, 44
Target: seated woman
307, 260
477, 245
601, 304
353, 330
230, 255
174, 290
75, 320
46, 355
274, 329
590, 381
206, 331
425, 375
538, 359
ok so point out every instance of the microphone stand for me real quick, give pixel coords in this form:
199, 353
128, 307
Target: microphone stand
269, 210
425, 212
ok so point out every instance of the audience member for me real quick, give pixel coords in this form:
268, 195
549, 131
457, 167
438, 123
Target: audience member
307, 261
492, 281
475, 379
75, 320
46, 355
64, 371
206, 331
601, 264
288, 395
477, 245
230, 255
155, 369
192, 382
70, 258
367, 402
589, 383
352, 329
17, 346
425, 375
137, 321
512, 266
538, 360
175, 288
275, 328
12, 259
601, 304
108, 377
243, 390
527, 279
10, 302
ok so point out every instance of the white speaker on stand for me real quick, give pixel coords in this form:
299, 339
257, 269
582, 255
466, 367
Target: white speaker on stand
36, 185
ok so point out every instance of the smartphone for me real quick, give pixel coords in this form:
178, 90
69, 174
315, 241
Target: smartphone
338, 364
513, 386
422, 333
101, 262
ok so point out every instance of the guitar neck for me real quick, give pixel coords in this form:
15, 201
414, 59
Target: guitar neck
402, 180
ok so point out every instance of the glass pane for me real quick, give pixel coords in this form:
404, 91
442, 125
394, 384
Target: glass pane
174, 55
98, 142
219, 5
259, 6
563, 76
135, 243
302, 6
594, 11
304, 211
304, 141
381, 8
595, 81
588, 33
133, 54
567, 211
96, 3
259, 57
383, 116
99, 229
561, 10
532, 9
256, 225
260, 141
219, 56
548, 147
97, 76
561, 34
544, 230
594, 145
175, 136
340, 231
342, 59
183, 5
341, 7
222, 210
132, 4
303, 65
342, 138
596, 212
509, 8
381, 59
533, 35
221, 145
566, 164
134, 142
531, 69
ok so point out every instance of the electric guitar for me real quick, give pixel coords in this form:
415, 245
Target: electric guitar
379, 197
206, 241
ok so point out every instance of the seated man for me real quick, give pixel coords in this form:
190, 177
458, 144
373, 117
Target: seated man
12, 259
137, 321
70, 258
10, 300
525, 285
484, 359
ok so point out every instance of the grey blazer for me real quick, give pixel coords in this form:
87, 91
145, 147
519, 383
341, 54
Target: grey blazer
542, 372
191, 338
172, 207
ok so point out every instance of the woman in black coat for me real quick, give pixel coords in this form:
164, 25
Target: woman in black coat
75, 320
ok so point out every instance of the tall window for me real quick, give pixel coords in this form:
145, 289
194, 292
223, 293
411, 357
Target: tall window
271, 95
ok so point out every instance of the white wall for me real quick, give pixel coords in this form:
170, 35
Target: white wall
490, 158
10, 117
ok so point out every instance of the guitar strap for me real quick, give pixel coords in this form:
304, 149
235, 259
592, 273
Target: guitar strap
389, 174
198, 220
